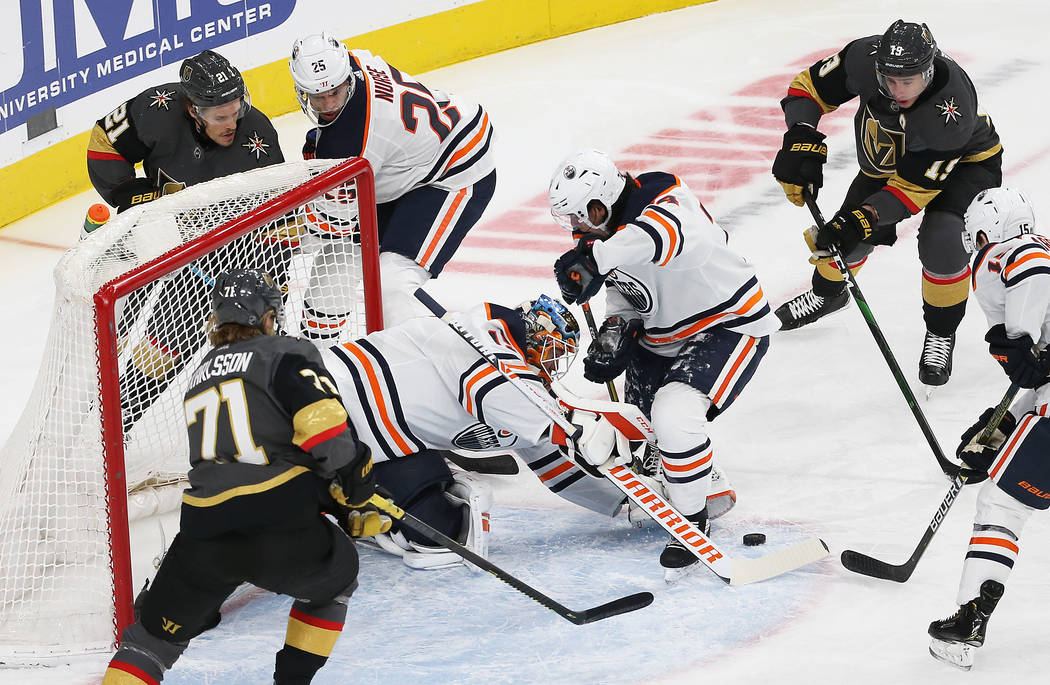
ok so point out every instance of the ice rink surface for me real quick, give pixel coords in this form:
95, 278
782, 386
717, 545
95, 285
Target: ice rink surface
821, 442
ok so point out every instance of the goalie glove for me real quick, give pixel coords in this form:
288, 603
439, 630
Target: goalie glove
598, 444
977, 457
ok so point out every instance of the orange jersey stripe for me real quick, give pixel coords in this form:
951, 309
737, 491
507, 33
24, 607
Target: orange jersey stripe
473, 143
445, 221
1006, 453
732, 372
481, 374
380, 400
671, 234
1028, 257
705, 322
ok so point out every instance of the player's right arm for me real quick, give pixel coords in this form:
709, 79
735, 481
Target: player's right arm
822, 87
113, 150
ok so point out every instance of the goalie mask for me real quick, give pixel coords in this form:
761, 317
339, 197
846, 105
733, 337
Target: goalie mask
552, 336
581, 179
998, 213
324, 80
244, 296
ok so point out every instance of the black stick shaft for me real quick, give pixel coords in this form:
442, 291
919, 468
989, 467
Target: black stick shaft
948, 466
594, 336
613, 608
870, 566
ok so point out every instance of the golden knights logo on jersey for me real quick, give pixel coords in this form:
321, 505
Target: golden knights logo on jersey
482, 437
882, 146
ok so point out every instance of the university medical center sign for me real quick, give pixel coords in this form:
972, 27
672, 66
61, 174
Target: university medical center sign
73, 48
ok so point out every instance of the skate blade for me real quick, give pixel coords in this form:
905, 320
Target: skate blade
954, 654
673, 575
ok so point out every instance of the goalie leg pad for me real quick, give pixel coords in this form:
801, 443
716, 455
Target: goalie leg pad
401, 277
453, 502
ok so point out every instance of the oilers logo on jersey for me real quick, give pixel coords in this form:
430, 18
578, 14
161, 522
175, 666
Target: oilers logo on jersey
633, 290
480, 437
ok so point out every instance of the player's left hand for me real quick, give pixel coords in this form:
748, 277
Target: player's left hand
355, 483
846, 230
577, 273
977, 457
366, 523
1025, 365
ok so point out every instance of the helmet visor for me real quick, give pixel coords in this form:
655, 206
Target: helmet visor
226, 113
325, 107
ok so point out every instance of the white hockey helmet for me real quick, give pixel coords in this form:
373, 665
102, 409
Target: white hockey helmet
584, 177
320, 66
998, 213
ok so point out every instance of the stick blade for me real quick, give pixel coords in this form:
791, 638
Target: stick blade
494, 464
782, 561
870, 566
623, 605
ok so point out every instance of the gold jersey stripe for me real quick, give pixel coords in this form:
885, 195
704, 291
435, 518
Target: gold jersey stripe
804, 82
316, 418
256, 488
99, 142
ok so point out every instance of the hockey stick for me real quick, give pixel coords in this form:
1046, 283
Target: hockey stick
949, 468
639, 600
634, 426
489, 464
594, 336
869, 566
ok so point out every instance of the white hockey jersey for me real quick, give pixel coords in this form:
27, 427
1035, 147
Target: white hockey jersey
1011, 282
411, 135
419, 385
671, 264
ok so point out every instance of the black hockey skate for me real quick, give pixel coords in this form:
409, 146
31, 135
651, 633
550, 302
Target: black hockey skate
935, 364
955, 637
808, 307
676, 559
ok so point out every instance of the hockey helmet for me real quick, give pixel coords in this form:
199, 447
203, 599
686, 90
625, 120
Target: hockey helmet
244, 296
906, 49
998, 213
582, 178
552, 335
209, 80
319, 65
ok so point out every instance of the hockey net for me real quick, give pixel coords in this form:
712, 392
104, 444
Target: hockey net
104, 432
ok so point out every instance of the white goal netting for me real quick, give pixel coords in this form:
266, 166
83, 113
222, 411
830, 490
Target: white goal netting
64, 568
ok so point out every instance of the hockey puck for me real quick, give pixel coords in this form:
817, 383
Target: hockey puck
752, 539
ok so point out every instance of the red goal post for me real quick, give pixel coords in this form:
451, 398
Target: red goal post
105, 418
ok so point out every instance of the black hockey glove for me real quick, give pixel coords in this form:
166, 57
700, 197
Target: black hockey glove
355, 483
846, 229
800, 161
577, 273
609, 354
1025, 365
977, 457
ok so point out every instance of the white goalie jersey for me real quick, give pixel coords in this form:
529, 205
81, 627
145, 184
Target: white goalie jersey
669, 262
411, 135
419, 385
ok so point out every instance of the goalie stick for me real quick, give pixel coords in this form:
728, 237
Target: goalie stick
949, 468
631, 424
639, 600
870, 566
